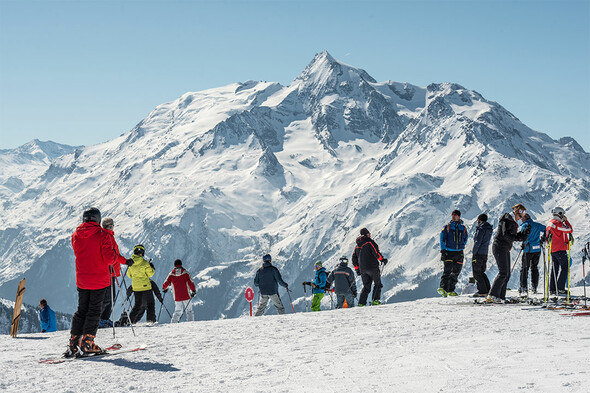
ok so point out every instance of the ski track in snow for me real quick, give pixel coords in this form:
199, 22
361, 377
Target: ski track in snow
430, 345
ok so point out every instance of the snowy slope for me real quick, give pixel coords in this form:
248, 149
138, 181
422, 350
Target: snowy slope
220, 177
423, 346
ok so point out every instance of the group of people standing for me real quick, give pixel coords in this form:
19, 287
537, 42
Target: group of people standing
98, 266
516, 225
368, 264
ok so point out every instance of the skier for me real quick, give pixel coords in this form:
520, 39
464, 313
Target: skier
559, 232
344, 284
319, 286
365, 259
184, 290
531, 253
105, 318
47, 317
140, 273
452, 243
267, 280
95, 254
481, 243
506, 234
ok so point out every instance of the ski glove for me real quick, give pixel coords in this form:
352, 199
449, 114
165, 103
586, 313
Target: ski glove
152, 266
164, 290
443, 255
384, 261
193, 293
129, 262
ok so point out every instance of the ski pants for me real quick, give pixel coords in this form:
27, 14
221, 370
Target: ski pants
179, 307
370, 277
317, 301
560, 267
502, 257
453, 265
87, 317
276, 300
341, 297
478, 265
530, 260
144, 300
107, 304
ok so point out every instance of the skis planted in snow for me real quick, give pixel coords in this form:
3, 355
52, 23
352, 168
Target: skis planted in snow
113, 350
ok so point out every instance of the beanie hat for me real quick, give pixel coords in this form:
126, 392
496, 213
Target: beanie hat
364, 232
108, 223
483, 217
456, 212
266, 258
177, 263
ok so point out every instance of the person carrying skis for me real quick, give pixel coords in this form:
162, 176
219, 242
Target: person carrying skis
530, 253
344, 283
183, 289
319, 286
140, 273
94, 255
47, 317
267, 280
481, 243
365, 259
452, 243
559, 232
506, 234
108, 224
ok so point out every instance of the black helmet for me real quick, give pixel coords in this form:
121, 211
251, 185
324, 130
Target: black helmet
266, 258
91, 215
139, 250
344, 259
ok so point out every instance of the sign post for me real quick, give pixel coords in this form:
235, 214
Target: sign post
249, 297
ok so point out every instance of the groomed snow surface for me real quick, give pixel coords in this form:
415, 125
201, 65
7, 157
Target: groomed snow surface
429, 345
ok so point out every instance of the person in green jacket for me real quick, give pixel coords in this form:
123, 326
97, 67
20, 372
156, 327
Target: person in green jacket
140, 273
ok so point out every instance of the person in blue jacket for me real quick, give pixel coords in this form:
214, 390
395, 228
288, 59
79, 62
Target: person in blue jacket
481, 245
267, 280
318, 285
452, 243
531, 253
47, 317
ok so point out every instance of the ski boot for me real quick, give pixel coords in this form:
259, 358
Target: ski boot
360, 305
452, 293
88, 347
376, 303
72, 347
442, 292
477, 294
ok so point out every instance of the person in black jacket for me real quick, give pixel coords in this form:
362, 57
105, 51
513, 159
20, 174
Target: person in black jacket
506, 234
267, 280
481, 243
344, 283
366, 258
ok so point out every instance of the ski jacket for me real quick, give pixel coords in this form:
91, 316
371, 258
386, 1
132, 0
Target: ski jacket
533, 241
268, 279
320, 280
94, 253
181, 284
481, 239
558, 231
366, 255
343, 279
507, 233
120, 260
48, 320
140, 273
453, 236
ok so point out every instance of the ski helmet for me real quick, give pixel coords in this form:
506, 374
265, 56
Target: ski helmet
177, 263
139, 250
344, 259
266, 258
91, 214
318, 264
558, 211
364, 232
483, 217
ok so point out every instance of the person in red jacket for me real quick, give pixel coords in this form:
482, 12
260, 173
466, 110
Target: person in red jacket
95, 255
183, 289
559, 231
108, 224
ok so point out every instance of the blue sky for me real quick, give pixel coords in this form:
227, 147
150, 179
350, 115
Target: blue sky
83, 72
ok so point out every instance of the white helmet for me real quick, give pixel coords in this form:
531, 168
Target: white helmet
558, 211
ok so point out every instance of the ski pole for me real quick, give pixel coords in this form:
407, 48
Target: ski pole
112, 300
291, 300
125, 308
166, 308
569, 261
305, 296
544, 274
160, 312
515, 262
585, 255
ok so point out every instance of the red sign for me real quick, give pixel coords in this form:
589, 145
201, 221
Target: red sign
249, 294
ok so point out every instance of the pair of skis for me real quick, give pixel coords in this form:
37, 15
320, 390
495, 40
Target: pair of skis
116, 349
